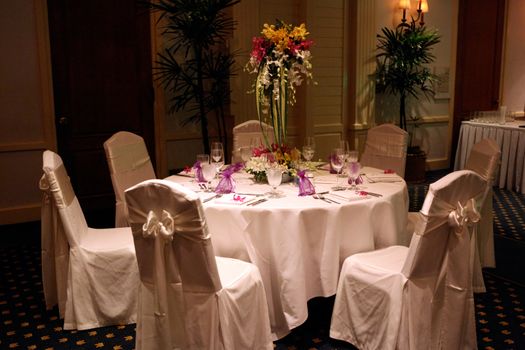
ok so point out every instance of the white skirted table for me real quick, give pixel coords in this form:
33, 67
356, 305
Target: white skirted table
511, 140
299, 243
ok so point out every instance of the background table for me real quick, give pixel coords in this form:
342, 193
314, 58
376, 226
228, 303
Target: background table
299, 243
511, 140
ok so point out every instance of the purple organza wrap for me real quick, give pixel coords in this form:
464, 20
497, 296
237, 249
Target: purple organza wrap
198, 172
332, 170
227, 183
305, 185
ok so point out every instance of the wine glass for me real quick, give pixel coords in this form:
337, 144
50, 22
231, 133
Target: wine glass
246, 153
274, 176
343, 144
202, 159
217, 155
354, 169
208, 173
309, 148
337, 160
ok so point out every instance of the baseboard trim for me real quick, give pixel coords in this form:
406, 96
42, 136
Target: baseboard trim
16, 215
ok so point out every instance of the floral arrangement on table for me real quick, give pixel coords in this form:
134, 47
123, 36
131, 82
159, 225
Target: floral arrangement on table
284, 157
281, 59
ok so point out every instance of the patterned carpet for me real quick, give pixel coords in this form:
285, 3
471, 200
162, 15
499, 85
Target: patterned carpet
26, 324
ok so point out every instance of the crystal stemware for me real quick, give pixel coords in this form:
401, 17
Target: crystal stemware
274, 176
354, 169
217, 155
208, 173
337, 160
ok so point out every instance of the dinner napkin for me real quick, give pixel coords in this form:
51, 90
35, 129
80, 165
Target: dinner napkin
234, 199
381, 177
348, 195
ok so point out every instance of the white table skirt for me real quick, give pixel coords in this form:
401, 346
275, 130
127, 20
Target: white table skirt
511, 140
299, 243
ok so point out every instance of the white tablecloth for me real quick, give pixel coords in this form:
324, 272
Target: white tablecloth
299, 243
511, 140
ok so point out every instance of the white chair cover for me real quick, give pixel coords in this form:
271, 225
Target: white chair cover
484, 159
190, 299
129, 163
418, 297
386, 148
91, 273
243, 134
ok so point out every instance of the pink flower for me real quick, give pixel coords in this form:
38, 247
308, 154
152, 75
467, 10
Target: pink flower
259, 46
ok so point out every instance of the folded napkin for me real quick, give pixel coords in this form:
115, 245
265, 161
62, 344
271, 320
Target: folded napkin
234, 199
381, 177
349, 196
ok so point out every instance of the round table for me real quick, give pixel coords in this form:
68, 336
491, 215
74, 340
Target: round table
299, 243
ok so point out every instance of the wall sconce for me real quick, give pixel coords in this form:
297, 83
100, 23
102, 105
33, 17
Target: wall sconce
422, 8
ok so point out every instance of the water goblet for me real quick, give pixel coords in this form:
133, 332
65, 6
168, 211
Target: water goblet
308, 152
337, 160
246, 153
217, 155
208, 173
274, 176
354, 169
202, 159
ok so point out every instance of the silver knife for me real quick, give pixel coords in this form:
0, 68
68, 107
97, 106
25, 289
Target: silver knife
262, 200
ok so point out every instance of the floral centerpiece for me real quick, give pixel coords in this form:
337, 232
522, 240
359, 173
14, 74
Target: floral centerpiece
280, 58
281, 156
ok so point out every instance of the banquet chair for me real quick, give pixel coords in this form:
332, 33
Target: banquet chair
188, 298
129, 164
386, 148
416, 297
92, 274
244, 133
484, 159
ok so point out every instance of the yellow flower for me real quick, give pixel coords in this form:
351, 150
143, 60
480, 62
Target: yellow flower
299, 33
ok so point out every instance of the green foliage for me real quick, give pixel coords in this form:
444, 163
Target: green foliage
403, 55
194, 68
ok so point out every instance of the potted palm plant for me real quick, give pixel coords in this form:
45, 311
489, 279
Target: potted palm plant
196, 66
402, 71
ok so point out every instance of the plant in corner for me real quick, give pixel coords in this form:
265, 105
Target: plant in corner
404, 53
195, 67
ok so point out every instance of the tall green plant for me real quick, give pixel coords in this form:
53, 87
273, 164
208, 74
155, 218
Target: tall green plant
193, 68
403, 55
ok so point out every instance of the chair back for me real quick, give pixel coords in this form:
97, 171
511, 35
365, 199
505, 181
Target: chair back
386, 148
245, 132
129, 163
438, 265
176, 264
59, 187
484, 159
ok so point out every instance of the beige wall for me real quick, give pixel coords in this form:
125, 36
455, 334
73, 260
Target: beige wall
26, 113
513, 93
435, 114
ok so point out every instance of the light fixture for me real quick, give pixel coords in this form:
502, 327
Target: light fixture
422, 8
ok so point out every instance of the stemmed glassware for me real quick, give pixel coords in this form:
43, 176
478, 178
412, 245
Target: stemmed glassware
337, 160
217, 155
246, 153
309, 148
354, 169
274, 175
343, 144
208, 173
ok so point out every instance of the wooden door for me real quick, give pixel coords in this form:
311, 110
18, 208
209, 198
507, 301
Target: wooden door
479, 57
102, 84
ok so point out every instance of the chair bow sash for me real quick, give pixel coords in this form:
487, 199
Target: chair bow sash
186, 224
457, 275
163, 228
463, 215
